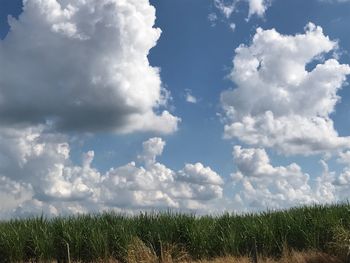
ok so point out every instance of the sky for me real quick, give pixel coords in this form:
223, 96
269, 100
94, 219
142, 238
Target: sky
200, 106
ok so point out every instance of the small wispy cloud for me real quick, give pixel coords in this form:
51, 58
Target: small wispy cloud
189, 97
256, 7
224, 8
212, 17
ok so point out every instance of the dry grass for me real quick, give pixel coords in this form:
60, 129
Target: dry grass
224, 260
292, 257
295, 257
147, 256
341, 243
138, 252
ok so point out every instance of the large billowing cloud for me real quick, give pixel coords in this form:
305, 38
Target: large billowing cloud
285, 92
37, 174
82, 65
258, 185
264, 185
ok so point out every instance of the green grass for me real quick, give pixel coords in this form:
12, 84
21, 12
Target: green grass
92, 237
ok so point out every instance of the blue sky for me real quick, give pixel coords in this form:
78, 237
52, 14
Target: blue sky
101, 111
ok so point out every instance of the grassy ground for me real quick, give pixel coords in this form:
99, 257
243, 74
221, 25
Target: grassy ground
293, 257
182, 237
139, 252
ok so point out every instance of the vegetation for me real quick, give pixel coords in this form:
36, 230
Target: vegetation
113, 236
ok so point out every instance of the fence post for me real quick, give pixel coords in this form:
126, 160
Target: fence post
254, 253
68, 253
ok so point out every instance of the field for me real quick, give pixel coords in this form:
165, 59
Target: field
179, 238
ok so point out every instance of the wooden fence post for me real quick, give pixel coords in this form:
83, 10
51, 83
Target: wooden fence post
254, 253
68, 253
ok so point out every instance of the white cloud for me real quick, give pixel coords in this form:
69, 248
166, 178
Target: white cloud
225, 8
42, 162
256, 7
264, 185
342, 181
155, 185
190, 98
258, 185
202, 183
325, 188
344, 157
151, 149
38, 175
344, 178
277, 102
212, 17
198, 174
12, 194
233, 26
83, 65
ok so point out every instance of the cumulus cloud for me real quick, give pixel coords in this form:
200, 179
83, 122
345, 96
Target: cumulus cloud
277, 101
12, 194
325, 188
342, 181
82, 65
41, 161
151, 149
344, 157
154, 185
202, 182
264, 185
37, 175
198, 174
258, 185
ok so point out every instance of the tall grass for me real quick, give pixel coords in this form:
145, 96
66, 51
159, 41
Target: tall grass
105, 236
